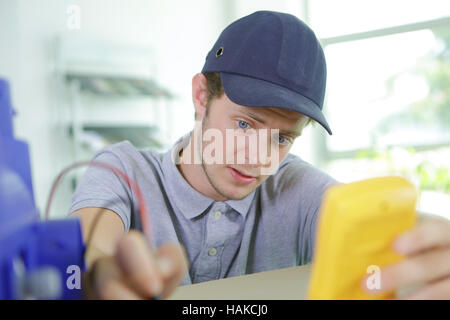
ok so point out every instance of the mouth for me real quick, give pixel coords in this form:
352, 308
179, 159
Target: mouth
240, 176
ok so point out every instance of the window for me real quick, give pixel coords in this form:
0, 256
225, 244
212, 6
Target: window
388, 93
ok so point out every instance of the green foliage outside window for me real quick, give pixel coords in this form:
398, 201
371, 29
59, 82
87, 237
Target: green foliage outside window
430, 112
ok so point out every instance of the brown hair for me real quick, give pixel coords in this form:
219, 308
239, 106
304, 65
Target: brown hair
213, 86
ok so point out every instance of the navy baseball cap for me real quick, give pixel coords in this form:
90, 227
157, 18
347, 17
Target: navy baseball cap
271, 59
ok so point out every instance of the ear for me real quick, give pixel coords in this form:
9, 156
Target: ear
199, 95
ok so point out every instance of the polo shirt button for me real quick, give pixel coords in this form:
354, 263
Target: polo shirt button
212, 252
217, 214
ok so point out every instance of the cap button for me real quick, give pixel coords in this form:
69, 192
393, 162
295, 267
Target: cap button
219, 52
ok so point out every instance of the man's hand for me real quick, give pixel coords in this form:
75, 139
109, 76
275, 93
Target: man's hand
427, 263
134, 272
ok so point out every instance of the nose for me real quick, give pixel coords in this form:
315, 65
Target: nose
256, 150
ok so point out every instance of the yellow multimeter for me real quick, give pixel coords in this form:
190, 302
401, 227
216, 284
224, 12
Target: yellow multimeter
357, 225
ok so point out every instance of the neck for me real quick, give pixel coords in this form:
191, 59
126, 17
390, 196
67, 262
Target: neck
194, 172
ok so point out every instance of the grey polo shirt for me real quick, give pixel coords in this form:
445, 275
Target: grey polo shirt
272, 228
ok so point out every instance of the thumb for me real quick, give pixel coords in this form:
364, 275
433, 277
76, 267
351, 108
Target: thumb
138, 264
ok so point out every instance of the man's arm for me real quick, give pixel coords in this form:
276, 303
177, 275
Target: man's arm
107, 233
121, 265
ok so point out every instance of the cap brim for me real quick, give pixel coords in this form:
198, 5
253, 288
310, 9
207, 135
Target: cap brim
251, 92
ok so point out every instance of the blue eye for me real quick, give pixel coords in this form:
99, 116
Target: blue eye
243, 125
282, 139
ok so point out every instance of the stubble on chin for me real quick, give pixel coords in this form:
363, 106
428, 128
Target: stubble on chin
220, 191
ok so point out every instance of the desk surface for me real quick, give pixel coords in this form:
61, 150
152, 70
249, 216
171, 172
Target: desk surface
281, 284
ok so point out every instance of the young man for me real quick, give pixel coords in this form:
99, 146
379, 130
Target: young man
220, 208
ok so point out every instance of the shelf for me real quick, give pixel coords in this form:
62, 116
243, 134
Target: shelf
113, 95
96, 137
113, 86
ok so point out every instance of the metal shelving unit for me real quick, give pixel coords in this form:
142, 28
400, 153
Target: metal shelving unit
109, 93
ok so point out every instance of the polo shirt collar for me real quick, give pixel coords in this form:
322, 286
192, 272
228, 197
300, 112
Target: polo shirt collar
242, 206
188, 200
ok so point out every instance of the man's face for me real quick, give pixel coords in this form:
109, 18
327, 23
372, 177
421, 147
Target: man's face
235, 180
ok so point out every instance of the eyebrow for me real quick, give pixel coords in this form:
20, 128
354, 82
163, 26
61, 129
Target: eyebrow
255, 117
292, 133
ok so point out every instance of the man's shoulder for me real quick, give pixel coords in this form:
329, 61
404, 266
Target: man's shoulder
295, 175
127, 148
128, 155
293, 164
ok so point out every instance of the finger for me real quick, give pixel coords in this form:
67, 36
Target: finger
116, 290
438, 290
425, 267
102, 271
138, 264
104, 282
173, 263
429, 234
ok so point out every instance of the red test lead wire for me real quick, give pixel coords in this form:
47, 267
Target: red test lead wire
142, 205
